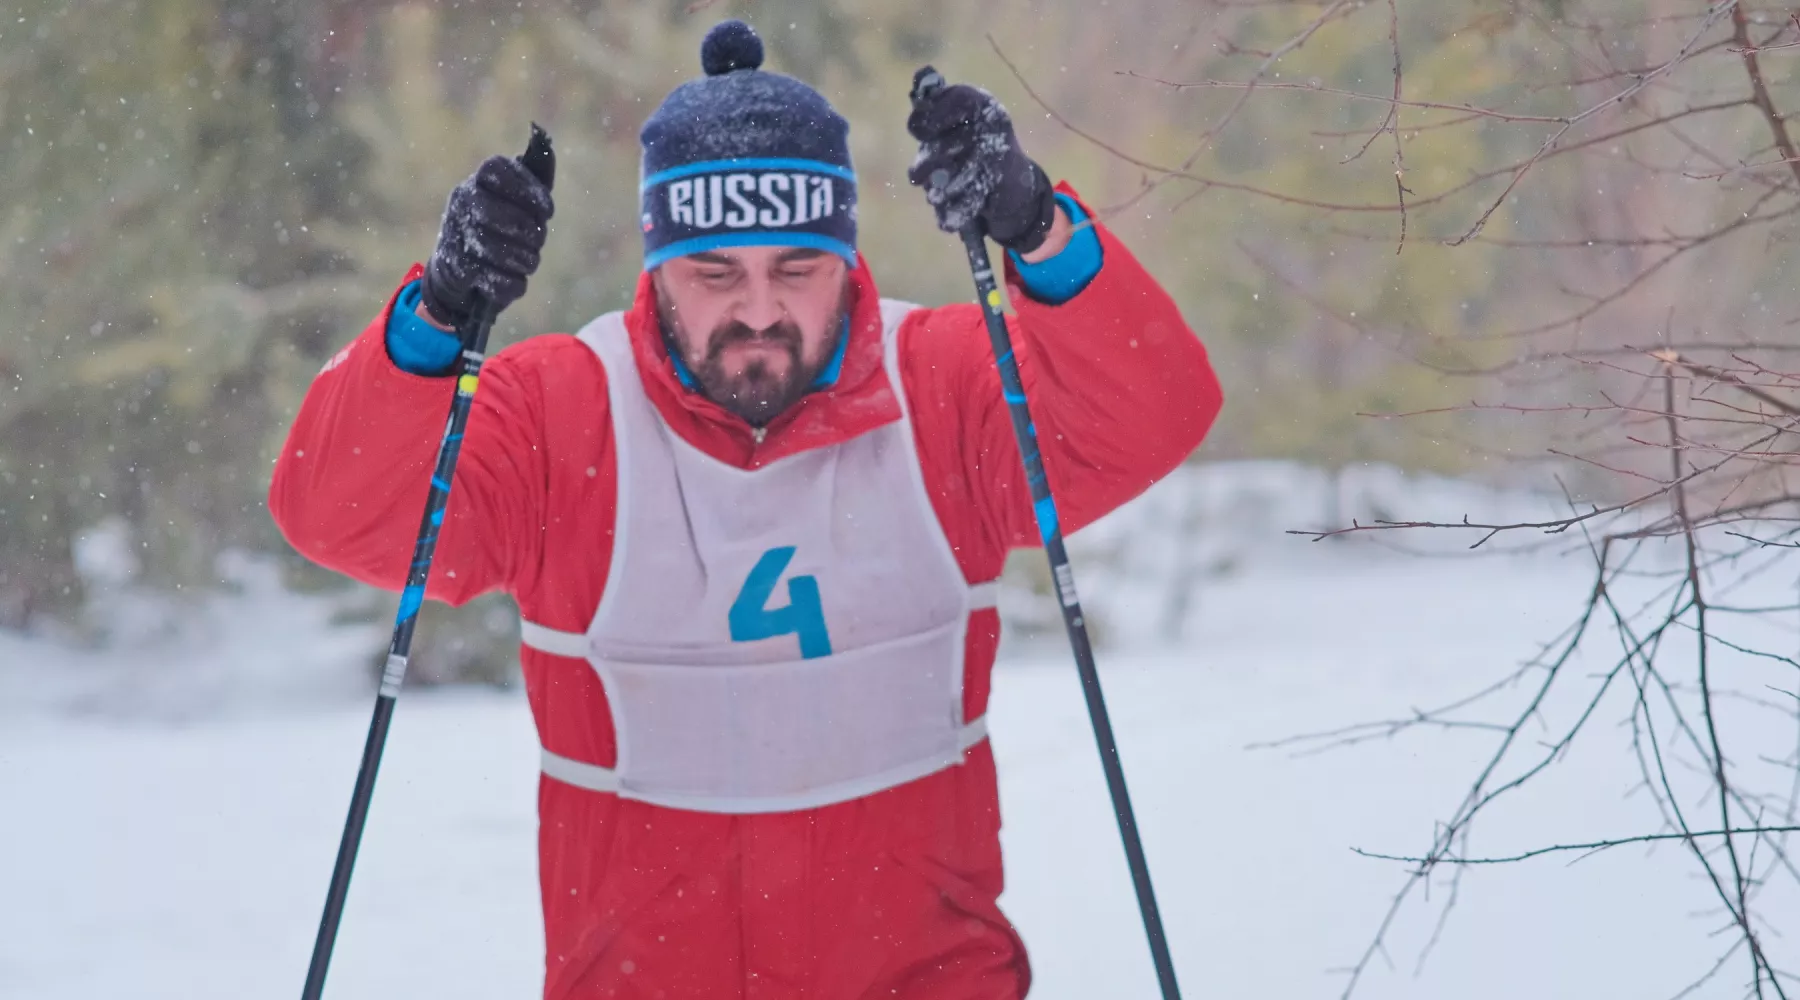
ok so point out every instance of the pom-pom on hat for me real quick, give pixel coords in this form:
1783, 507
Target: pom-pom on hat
730, 45
744, 157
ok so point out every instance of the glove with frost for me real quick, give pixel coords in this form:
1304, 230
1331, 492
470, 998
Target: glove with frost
971, 166
493, 231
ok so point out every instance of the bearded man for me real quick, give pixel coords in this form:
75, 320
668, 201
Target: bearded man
753, 525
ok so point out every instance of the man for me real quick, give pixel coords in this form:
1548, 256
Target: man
752, 525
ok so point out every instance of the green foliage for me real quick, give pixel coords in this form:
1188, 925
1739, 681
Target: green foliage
157, 205
200, 200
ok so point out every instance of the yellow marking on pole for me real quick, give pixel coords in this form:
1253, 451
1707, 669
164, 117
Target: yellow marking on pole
994, 299
466, 385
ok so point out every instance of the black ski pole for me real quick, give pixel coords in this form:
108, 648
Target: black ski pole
541, 161
1013, 389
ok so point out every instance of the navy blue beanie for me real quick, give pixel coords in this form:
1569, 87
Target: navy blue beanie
741, 157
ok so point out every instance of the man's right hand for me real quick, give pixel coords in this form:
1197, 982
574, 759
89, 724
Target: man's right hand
492, 234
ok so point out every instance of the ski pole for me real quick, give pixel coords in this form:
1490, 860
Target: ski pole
540, 159
1013, 390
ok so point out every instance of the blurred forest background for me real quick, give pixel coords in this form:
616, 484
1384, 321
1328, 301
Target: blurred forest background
201, 200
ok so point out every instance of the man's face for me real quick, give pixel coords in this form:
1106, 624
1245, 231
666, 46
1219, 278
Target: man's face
755, 325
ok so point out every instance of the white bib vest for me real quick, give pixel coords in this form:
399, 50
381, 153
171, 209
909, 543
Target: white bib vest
776, 638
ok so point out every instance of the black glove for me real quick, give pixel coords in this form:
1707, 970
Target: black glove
971, 166
493, 231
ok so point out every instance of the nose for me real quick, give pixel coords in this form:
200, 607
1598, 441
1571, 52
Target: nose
760, 307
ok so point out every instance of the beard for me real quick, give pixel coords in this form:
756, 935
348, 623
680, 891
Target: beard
758, 392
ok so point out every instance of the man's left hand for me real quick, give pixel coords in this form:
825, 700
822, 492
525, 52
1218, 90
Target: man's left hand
973, 169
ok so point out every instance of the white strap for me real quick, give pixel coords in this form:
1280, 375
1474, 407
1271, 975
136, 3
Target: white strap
595, 778
550, 640
573, 772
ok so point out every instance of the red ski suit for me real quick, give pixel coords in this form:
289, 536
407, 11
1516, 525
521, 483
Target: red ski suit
892, 895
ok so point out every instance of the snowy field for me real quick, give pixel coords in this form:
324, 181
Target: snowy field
168, 816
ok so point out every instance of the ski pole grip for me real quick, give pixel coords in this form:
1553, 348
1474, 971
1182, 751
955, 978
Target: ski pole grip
539, 158
926, 82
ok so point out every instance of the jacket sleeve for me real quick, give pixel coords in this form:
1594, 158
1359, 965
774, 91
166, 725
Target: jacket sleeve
349, 487
1119, 387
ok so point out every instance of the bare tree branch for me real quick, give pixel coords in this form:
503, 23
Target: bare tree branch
1590, 847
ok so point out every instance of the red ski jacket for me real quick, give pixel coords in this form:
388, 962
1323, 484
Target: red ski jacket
891, 895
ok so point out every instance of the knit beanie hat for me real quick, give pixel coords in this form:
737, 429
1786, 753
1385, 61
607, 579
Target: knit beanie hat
741, 157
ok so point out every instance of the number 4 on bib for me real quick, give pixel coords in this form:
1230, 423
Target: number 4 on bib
753, 619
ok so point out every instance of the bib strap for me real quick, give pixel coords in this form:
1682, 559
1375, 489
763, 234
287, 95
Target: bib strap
605, 780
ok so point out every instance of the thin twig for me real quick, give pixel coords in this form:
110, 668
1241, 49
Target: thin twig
1674, 358
1712, 18
1741, 911
1552, 527
1591, 846
1392, 102
1392, 125
1760, 91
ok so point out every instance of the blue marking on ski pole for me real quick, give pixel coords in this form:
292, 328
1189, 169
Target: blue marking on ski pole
410, 601
437, 516
1046, 518
440, 484
1004, 358
1011, 396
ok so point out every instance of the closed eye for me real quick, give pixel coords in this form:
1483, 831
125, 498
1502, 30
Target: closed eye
799, 264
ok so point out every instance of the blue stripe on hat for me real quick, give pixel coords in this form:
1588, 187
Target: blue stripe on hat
751, 238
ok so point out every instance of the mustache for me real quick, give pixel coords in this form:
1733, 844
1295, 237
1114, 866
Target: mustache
785, 333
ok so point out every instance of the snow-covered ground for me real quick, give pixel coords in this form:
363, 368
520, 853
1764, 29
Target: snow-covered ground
172, 837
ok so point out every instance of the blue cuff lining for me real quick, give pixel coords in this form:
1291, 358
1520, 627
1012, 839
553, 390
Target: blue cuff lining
1063, 276
416, 346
